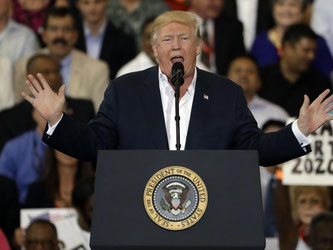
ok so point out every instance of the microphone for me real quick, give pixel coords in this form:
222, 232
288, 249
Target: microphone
177, 78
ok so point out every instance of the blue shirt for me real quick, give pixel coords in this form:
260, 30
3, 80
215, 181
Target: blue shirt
22, 159
65, 70
94, 43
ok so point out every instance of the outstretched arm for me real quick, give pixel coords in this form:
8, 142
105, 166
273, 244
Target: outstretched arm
313, 116
49, 104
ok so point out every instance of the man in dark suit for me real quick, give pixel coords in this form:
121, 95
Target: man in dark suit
18, 119
137, 111
101, 39
222, 35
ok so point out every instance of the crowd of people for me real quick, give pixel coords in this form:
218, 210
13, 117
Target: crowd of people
277, 51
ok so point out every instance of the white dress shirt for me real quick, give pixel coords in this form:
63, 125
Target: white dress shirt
185, 107
140, 62
264, 110
65, 70
247, 11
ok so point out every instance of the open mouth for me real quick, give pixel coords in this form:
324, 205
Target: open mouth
177, 59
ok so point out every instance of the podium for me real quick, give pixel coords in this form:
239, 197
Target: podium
233, 218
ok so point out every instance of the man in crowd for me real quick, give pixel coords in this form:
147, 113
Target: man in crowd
101, 39
286, 83
321, 232
84, 76
145, 59
222, 36
41, 234
244, 70
213, 110
24, 122
16, 40
18, 119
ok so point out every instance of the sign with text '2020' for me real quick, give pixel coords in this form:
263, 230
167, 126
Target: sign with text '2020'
315, 168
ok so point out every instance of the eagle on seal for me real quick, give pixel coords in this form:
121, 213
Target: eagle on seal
175, 194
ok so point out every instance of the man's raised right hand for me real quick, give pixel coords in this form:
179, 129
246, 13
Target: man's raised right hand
49, 104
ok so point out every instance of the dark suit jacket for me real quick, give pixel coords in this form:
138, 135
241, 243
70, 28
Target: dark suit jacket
9, 208
117, 49
18, 119
229, 42
131, 117
264, 13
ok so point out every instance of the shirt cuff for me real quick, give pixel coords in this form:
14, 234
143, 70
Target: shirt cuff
301, 138
51, 129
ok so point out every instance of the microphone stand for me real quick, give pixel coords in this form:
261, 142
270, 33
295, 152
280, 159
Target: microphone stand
177, 117
177, 80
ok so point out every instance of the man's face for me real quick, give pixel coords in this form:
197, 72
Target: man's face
207, 9
300, 55
93, 11
322, 238
176, 43
60, 35
4, 8
50, 70
245, 73
287, 12
308, 205
41, 237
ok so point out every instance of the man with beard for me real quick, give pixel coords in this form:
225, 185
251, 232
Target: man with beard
84, 76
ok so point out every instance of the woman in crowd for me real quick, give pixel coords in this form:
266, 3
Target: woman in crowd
55, 188
294, 214
267, 46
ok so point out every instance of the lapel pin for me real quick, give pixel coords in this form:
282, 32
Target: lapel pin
205, 96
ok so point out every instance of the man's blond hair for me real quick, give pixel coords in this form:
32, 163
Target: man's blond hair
176, 16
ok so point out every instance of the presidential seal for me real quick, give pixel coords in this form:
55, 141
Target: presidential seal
175, 198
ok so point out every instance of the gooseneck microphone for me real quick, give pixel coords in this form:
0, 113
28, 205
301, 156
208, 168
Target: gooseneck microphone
177, 79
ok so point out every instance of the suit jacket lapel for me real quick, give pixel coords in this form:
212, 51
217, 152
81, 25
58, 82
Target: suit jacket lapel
151, 98
200, 108
107, 43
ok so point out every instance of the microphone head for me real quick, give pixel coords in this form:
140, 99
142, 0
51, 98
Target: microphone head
177, 78
177, 68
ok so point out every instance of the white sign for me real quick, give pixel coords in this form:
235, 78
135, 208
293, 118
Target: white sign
315, 168
64, 219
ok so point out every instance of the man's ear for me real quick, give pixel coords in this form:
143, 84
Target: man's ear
199, 46
286, 47
75, 36
154, 46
